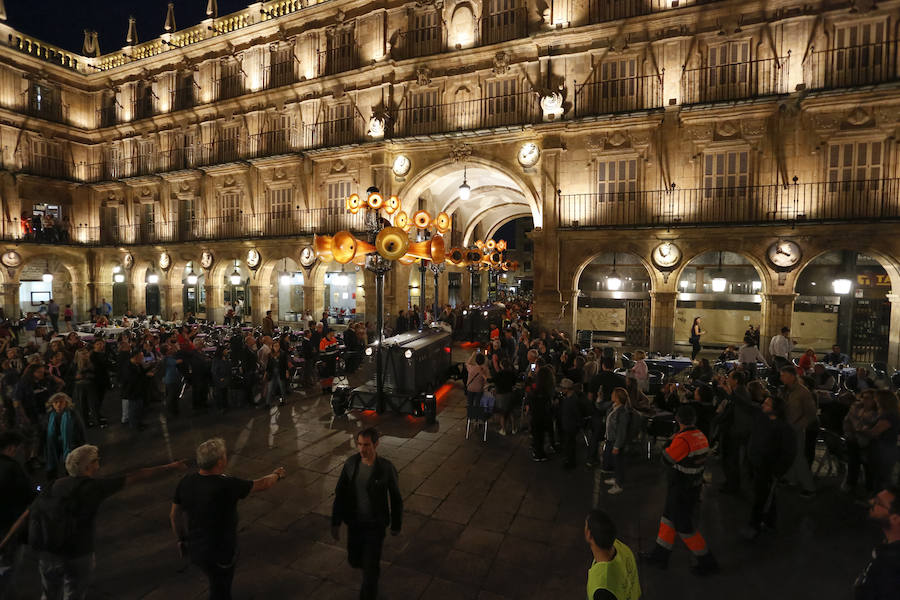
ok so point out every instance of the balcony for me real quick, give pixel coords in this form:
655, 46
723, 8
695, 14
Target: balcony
419, 42
602, 11
46, 166
503, 26
230, 86
183, 98
273, 143
284, 223
44, 108
823, 202
623, 95
484, 113
853, 66
109, 116
278, 74
735, 81
143, 108
336, 132
337, 60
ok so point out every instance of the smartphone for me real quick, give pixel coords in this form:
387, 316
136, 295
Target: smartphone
533, 367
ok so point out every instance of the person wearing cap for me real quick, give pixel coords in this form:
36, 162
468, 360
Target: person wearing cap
572, 412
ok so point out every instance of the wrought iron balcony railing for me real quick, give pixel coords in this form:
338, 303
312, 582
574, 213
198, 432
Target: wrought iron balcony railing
621, 95
735, 81
230, 86
503, 26
852, 66
278, 74
419, 42
281, 223
484, 113
183, 97
601, 11
109, 116
44, 108
46, 166
823, 202
337, 60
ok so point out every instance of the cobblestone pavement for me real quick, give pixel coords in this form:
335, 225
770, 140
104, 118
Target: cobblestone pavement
481, 520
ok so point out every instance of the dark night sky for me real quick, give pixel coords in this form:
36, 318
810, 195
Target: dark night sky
62, 22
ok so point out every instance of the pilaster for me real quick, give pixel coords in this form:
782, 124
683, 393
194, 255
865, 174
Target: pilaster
662, 321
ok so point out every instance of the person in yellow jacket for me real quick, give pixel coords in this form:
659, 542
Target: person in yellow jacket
613, 574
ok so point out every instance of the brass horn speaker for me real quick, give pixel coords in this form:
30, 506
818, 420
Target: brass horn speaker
495, 258
473, 256
490, 244
401, 220
456, 256
322, 247
375, 200
406, 259
354, 202
343, 247
438, 250
391, 243
422, 219
420, 250
442, 222
392, 205
501, 245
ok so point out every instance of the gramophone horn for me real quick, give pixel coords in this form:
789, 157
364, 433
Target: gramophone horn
401, 220
343, 247
442, 222
420, 249
391, 243
456, 256
322, 247
406, 259
422, 219
354, 202
495, 258
438, 251
392, 205
501, 245
473, 256
375, 200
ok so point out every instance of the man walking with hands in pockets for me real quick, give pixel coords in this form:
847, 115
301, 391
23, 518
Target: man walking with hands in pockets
366, 483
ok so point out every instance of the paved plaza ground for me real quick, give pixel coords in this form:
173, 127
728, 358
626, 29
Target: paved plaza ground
481, 519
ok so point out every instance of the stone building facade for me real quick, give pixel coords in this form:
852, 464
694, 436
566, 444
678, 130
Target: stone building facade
664, 130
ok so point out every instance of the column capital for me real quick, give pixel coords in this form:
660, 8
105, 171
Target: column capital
663, 295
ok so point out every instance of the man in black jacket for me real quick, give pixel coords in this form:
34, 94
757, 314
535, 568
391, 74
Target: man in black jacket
134, 385
771, 453
881, 578
18, 492
361, 501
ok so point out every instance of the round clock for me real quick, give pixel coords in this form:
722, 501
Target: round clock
128, 261
11, 259
206, 259
307, 257
401, 165
784, 254
666, 255
253, 258
165, 261
529, 154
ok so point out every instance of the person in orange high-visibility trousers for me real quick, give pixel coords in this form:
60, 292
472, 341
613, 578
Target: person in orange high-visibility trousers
686, 456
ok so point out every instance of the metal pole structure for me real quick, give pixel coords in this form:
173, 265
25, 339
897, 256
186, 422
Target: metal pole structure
422, 269
471, 286
379, 308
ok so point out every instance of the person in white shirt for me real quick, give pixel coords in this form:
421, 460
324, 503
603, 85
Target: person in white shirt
749, 356
780, 348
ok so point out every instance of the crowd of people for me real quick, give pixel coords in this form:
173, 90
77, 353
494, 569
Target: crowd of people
55, 388
46, 228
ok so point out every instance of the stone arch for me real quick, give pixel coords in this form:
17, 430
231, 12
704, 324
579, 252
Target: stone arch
483, 215
451, 172
692, 252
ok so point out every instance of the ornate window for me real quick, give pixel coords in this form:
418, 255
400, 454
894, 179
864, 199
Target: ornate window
617, 178
337, 196
728, 73
860, 54
281, 201
726, 174
502, 102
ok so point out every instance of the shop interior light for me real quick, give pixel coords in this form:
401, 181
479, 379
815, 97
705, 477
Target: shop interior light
235, 277
47, 276
117, 269
119, 278
684, 284
192, 278
407, 354
757, 285
719, 284
465, 192
152, 278
285, 279
613, 284
841, 286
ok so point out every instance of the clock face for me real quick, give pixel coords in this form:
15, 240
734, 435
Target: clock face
529, 154
401, 165
667, 255
784, 254
206, 259
128, 261
253, 258
307, 256
165, 261
11, 259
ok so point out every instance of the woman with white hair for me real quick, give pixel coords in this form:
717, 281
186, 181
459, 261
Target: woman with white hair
65, 432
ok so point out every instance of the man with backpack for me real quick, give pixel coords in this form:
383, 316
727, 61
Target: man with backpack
61, 521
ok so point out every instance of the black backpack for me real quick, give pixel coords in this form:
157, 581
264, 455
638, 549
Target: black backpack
53, 520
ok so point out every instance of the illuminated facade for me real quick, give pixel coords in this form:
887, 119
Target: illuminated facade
616, 126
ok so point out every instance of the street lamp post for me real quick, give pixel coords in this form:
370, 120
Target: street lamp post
436, 269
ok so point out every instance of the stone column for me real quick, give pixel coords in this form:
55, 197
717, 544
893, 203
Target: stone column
260, 302
313, 297
894, 339
9, 299
465, 290
137, 296
215, 302
93, 298
369, 298
777, 312
662, 321
572, 313
172, 300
